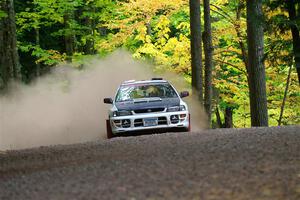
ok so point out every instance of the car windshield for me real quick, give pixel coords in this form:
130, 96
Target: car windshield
139, 91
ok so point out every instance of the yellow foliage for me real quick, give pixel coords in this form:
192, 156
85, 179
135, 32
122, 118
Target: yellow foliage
173, 52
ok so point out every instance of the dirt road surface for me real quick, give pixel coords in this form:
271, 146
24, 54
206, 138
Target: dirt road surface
254, 164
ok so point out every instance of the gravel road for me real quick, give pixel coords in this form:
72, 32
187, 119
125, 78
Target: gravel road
254, 164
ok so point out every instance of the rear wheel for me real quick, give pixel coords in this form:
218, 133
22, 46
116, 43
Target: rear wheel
108, 130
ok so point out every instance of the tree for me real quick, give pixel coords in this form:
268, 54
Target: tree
159, 31
208, 51
280, 59
93, 17
257, 79
136, 15
285, 94
291, 6
10, 67
196, 48
68, 9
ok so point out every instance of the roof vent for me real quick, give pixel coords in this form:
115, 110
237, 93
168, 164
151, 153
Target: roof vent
156, 79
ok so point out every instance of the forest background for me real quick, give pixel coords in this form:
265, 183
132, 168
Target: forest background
49, 32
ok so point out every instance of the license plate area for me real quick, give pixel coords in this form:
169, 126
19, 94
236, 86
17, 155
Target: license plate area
150, 122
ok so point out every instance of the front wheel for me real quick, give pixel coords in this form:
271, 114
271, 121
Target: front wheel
108, 130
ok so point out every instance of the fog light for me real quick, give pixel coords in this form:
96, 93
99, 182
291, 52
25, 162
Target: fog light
117, 123
174, 119
182, 115
126, 123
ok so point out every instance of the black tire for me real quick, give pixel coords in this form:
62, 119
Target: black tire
108, 130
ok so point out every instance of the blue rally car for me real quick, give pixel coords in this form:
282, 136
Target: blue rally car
147, 106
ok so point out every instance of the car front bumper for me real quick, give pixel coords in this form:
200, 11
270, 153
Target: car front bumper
138, 122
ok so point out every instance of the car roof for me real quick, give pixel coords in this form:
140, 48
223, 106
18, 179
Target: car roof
133, 82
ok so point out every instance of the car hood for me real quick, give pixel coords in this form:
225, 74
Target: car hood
147, 103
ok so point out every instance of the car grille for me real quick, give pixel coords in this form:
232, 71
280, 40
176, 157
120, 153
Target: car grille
161, 121
149, 110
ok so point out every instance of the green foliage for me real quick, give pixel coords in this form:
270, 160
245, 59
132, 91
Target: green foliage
2, 14
47, 57
159, 31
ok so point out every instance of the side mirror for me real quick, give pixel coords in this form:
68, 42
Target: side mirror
108, 100
184, 94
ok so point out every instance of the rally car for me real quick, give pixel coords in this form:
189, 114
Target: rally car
147, 106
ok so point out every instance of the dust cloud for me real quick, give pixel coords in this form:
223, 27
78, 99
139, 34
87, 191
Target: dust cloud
66, 106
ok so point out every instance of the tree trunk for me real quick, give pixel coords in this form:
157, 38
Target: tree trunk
218, 116
148, 26
69, 38
285, 94
4, 75
89, 22
237, 27
228, 117
196, 48
10, 67
257, 79
291, 4
208, 51
37, 41
89, 45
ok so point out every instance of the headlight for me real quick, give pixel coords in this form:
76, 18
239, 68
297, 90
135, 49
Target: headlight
176, 108
122, 113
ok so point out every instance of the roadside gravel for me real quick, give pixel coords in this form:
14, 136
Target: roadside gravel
255, 163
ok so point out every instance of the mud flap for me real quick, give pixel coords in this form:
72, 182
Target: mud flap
190, 126
108, 130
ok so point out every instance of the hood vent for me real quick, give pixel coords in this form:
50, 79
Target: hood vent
149, 110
